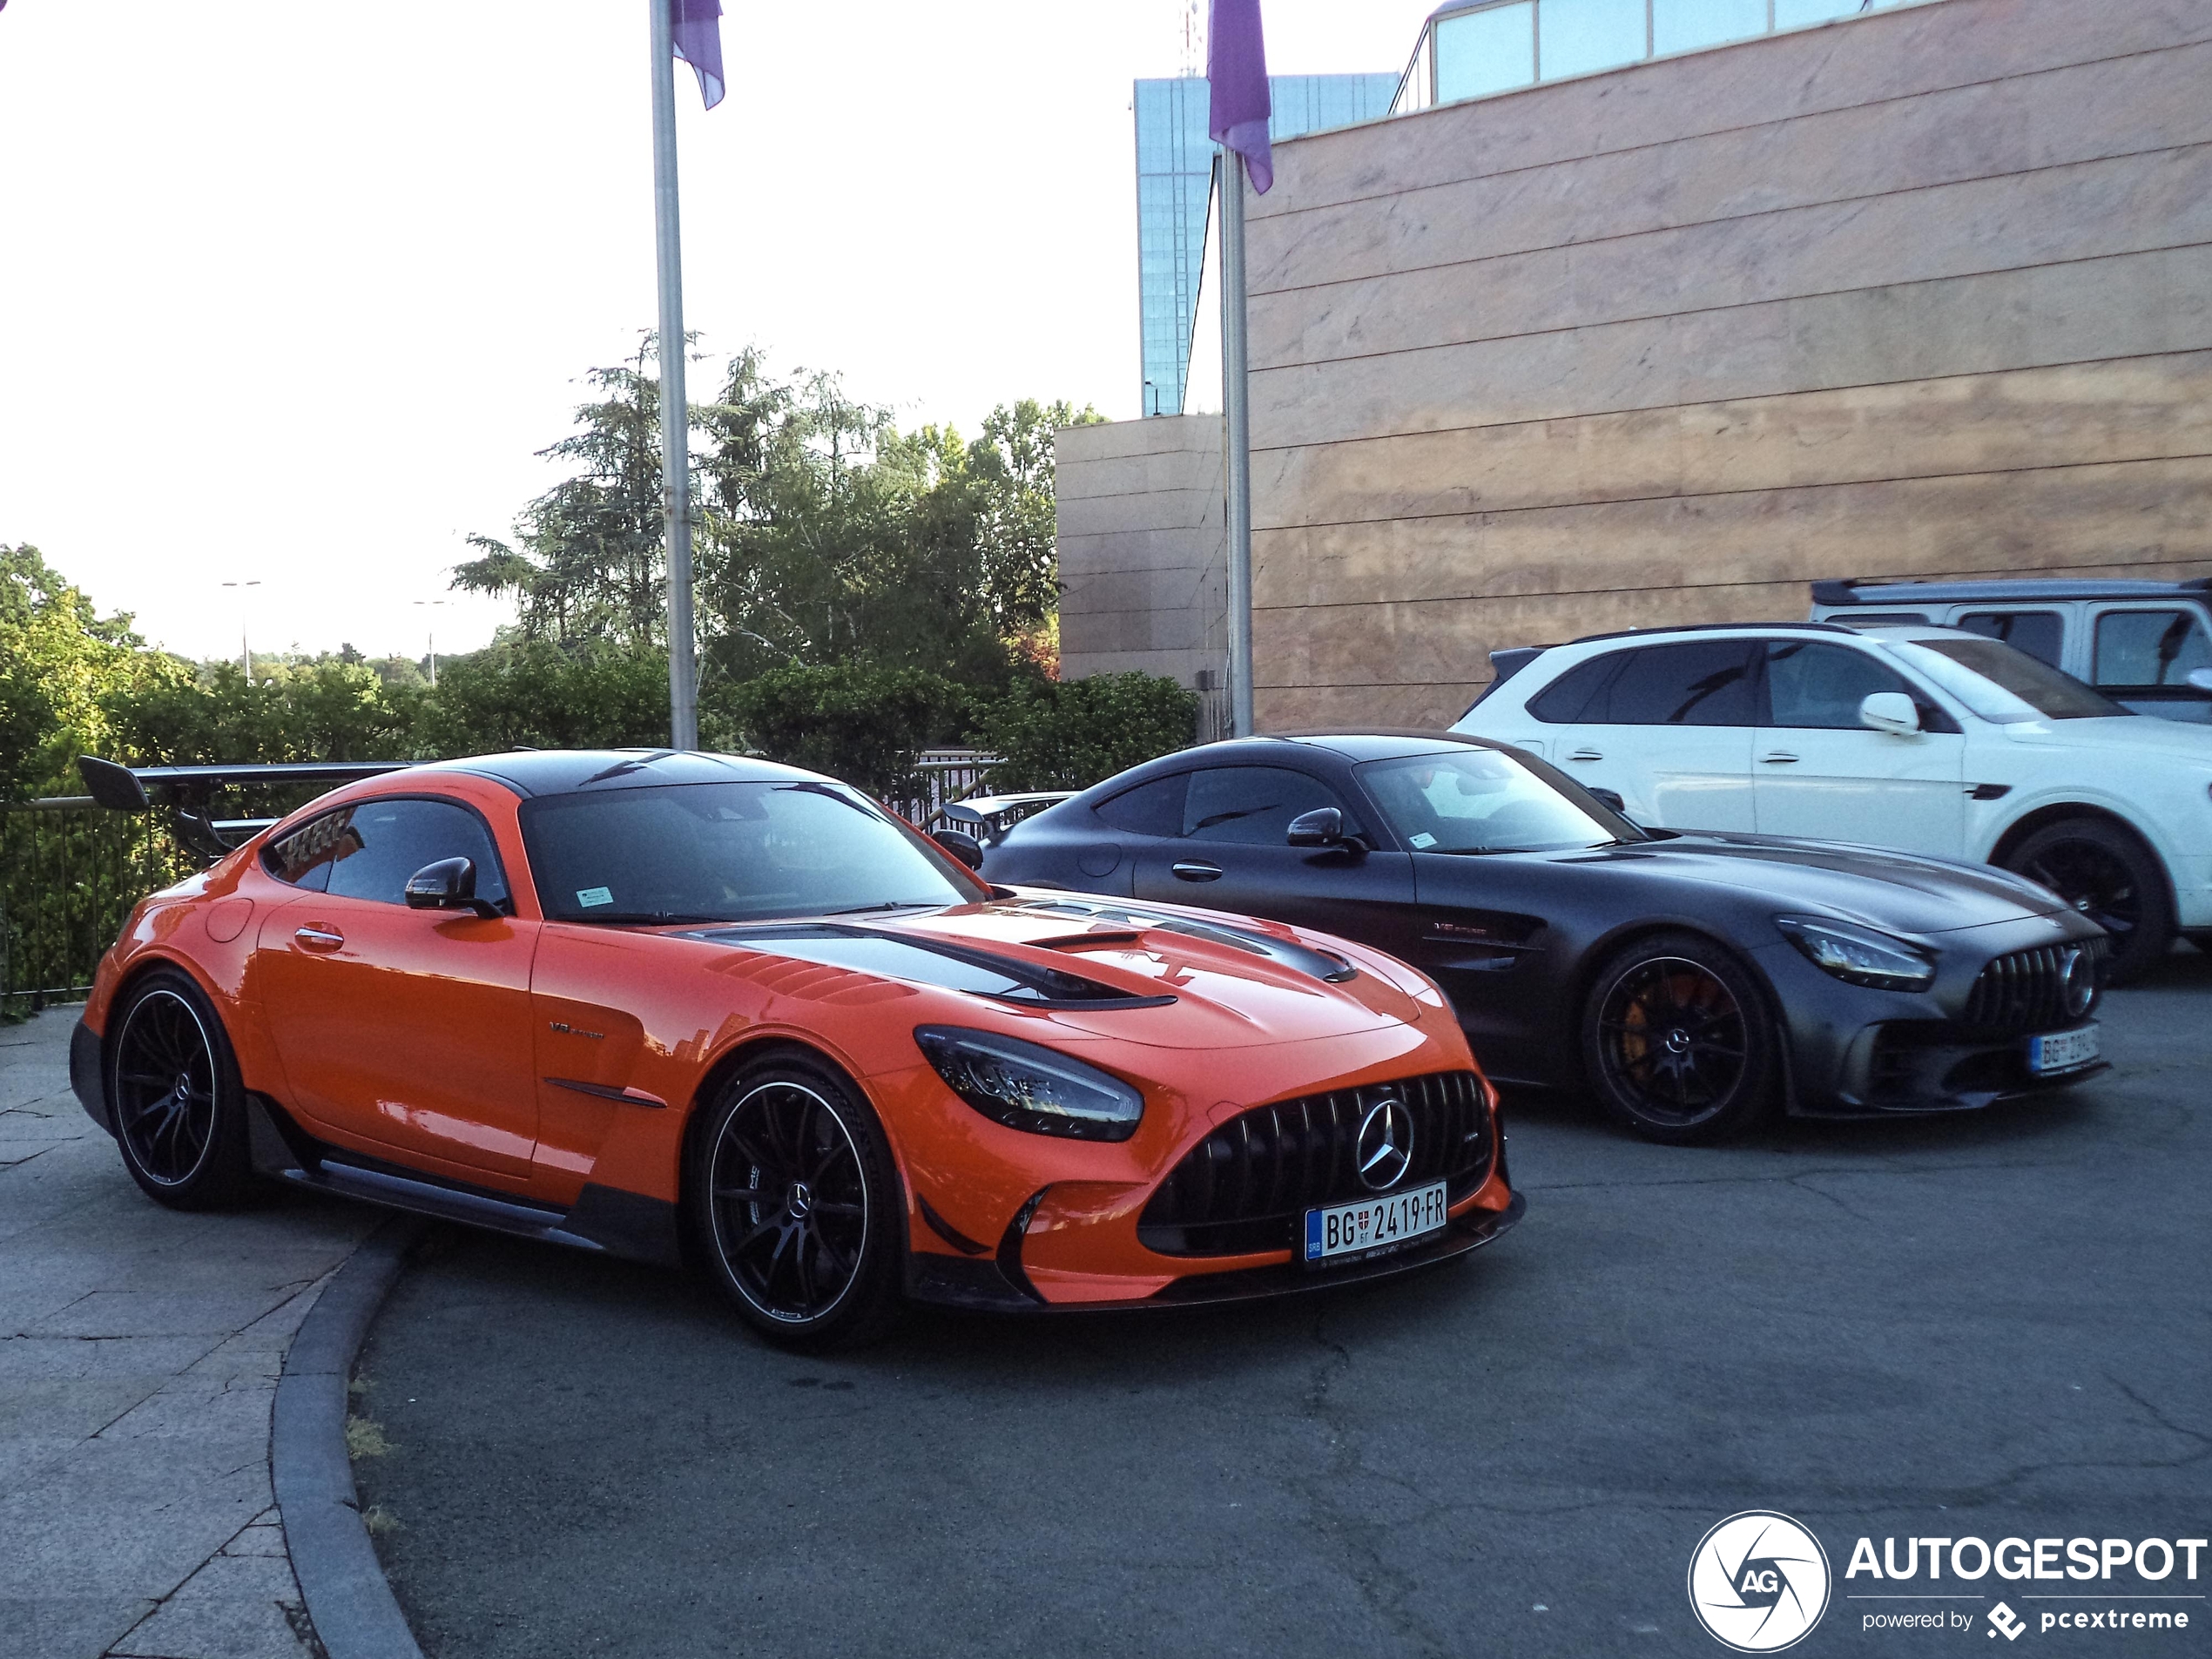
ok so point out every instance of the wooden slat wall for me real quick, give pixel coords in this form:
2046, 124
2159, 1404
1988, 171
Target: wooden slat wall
1923, 294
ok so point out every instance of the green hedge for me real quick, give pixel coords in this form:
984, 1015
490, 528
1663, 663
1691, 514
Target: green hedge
1070, 734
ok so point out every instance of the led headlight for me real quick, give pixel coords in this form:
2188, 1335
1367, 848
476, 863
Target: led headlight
1027, 1087
1859, 955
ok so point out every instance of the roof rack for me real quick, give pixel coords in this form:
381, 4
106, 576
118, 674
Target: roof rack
1718, 627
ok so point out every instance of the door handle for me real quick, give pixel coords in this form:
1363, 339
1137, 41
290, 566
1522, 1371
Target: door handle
318, 938
1779, 758
1586, 754
1191, 870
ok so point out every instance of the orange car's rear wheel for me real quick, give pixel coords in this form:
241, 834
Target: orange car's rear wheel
179, 1108
795, 1198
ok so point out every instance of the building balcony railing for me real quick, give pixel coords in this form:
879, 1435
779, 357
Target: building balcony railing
1485, 47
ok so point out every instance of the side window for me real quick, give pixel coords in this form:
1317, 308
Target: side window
1253, 806
1567, 698
1820, 687
387, 842
1705, 683
2041, 634
2150, 647
1154, 808
304, 856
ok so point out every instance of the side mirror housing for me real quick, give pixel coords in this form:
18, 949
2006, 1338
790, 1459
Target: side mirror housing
1890, 711
1610, 798
2201, 679
965, 847
450, 884
1323, 827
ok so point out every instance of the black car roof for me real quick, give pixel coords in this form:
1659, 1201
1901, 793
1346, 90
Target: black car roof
564, 771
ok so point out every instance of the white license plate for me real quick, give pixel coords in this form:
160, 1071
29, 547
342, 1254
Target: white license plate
2062, 1051
1375, 1224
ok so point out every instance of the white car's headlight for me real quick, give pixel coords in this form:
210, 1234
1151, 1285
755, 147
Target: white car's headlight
1859, 956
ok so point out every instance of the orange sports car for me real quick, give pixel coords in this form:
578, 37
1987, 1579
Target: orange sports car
683, 1005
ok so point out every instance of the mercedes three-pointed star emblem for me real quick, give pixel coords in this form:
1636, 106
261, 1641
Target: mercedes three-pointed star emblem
1384, 1148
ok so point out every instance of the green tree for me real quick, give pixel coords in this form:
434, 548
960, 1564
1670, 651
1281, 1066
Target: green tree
861, 723
58, 657
591, 563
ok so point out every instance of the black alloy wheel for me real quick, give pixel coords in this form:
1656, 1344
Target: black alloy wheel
173, 1088
2109, 876
793, 1196
1677, 1041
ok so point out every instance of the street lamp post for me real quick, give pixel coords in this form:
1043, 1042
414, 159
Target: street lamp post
245, 652
433, 638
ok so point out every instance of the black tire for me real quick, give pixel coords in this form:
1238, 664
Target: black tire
794, 1205
179, 1107
2105, 871
1678, 1043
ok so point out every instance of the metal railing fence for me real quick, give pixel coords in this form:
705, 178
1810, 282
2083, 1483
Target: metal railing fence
70, 872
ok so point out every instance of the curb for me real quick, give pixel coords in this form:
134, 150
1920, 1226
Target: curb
349, 1601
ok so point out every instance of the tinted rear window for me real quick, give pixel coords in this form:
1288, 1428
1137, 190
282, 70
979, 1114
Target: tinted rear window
1154, 808
1705, 681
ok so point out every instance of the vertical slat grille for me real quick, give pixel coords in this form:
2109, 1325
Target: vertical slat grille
1247, 1186
2025, 991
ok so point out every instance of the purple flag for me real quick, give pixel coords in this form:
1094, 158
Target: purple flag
1237, 74
699, 42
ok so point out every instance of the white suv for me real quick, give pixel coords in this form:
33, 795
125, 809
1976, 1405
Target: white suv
1929, 740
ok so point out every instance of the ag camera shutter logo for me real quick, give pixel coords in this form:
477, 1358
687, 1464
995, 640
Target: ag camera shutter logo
1758, 1581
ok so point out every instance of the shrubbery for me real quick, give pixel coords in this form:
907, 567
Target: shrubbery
1056, 734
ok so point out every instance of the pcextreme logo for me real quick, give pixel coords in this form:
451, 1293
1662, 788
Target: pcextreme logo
1758, 1581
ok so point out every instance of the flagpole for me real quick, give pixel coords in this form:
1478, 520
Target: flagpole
675, 404
1236, 407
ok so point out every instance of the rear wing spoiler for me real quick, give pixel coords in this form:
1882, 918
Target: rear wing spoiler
186, 791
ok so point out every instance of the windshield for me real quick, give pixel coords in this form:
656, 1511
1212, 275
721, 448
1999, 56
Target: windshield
1477, 801
727, 852
2002, 683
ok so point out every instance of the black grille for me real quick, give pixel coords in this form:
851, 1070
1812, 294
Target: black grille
2025, 991
1247, 1186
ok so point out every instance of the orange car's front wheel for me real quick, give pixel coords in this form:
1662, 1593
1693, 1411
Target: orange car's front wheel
794, 1197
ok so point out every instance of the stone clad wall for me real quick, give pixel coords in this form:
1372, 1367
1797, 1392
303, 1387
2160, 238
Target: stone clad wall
1142, 547
1927, 293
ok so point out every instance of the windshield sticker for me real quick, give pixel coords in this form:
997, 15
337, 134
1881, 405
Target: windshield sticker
1423, 841
590, 896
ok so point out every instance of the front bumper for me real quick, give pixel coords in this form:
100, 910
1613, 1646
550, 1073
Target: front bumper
998, 1284
88, 1076
1856, 1052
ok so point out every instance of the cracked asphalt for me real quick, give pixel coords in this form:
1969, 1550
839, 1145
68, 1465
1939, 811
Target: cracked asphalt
1987, 1325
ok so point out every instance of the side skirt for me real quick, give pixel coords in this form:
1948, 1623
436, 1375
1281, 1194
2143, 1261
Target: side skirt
628, 1224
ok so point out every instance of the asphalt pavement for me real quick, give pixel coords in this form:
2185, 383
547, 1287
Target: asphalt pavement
1991, 1324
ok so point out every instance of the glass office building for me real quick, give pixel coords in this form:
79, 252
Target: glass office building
1485, 46
1174, 190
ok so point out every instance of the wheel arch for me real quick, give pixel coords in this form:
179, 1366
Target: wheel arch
2042, 818
1584, 982
748, 1051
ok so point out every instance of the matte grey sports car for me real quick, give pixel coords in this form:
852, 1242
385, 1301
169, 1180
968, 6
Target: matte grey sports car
1689, 980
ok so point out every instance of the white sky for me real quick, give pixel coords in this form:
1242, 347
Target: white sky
293, 291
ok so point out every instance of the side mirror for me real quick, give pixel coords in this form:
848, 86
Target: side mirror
450, 884
1610, 798
1323, 827
965, 848
2200, 679
1890, 711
